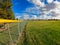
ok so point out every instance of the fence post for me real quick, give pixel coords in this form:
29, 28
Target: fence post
11, 41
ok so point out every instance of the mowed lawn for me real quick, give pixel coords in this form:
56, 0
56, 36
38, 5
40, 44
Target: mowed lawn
42, 33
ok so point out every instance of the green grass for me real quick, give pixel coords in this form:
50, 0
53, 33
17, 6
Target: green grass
4, 35
34, 33
42, 33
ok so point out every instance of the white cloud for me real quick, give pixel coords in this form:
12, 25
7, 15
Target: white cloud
50, 6
18, 17
22, 16
16, 14
56, 10
25, 16
53, 8
58, 17
37, 2
33, 11
57, 3
34, 17
49, 1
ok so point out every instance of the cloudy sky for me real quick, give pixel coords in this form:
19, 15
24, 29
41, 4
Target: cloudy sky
36, 9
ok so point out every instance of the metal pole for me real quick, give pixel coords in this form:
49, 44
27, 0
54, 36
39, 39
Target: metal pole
18, 27
10, 35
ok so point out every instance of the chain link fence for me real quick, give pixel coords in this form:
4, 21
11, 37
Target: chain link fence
10, 35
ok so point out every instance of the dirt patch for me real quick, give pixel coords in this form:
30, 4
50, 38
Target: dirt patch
3, 28
22, 38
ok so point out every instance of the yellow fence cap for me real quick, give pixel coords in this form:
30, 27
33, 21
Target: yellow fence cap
7, 21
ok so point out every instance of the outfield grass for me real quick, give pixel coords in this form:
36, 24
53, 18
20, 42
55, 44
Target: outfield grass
42, 33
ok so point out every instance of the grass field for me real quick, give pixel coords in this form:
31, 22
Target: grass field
33, 33
42, 33
4, 35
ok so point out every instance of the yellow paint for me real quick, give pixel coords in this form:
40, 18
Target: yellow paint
8, 21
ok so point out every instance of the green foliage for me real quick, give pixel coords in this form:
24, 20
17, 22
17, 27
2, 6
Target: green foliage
5, 9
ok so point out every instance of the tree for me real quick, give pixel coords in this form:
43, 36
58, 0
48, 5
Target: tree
5, 9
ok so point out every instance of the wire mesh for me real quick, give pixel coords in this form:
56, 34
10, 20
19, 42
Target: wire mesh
10, 35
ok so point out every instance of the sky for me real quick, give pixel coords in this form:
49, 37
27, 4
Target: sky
20, 5
36, 9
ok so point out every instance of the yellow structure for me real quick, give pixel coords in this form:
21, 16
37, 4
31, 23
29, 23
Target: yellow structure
8, 21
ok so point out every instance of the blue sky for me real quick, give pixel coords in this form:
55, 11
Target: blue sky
20, 6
